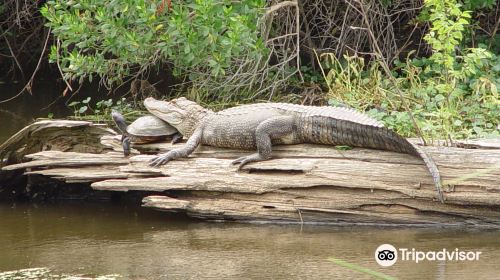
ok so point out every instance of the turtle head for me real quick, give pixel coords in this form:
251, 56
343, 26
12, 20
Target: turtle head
180, 113
119, 120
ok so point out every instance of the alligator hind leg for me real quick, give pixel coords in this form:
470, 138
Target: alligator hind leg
266, 131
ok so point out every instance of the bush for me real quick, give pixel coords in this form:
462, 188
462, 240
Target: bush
115, 39
234, 51
453, 93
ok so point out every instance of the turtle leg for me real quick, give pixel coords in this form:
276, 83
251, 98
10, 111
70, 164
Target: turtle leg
126, 145
176, 138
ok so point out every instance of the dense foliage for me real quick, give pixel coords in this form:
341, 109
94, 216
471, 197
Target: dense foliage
115, 39
443, 55
453, 93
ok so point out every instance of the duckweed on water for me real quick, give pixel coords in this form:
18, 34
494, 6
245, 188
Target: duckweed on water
46, 273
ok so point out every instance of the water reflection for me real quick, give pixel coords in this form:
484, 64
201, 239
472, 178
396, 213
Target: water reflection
98, 239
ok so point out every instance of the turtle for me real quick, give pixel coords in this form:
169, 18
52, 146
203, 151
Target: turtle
145, 129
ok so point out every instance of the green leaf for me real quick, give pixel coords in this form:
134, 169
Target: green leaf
477, 129
343, 147
439, 97
82, 109
372, 273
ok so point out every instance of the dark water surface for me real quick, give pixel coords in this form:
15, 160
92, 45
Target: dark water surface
102, 239
46, 99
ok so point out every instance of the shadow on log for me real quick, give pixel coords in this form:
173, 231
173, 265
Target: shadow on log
302, 184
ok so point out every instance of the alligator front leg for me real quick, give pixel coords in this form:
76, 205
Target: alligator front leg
273, 128
185, 151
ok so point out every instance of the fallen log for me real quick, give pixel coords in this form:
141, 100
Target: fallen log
61, 135
302, 184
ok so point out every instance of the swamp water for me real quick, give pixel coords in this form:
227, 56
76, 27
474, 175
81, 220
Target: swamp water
95, 239
115, 241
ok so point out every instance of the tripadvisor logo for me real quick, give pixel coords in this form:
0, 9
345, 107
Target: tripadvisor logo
387, 255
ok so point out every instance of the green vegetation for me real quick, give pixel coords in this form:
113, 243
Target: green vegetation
357, 268
440, 61
453, 93
115, 39
101, 111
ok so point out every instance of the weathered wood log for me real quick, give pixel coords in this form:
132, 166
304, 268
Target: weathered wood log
303, 183
61, 135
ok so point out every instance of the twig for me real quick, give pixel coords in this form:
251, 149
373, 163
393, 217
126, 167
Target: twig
6, 31
300, 216
30, 82
297, 26
322, 71
59, 66
387, 71
280, 5
495, 29
307, 34
13, 55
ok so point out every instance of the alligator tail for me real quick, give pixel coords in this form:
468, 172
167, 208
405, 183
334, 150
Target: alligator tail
328, 130
397, 143
401, 144
433, 169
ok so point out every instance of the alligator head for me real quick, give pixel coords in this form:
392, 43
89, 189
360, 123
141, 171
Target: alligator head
183, 114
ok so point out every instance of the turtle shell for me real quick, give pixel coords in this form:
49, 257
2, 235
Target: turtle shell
150, 126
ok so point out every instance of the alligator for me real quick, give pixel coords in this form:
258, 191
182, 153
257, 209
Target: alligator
259, 126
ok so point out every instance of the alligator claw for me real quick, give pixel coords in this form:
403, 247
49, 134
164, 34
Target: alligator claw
238, 160
159, 160
242, 161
